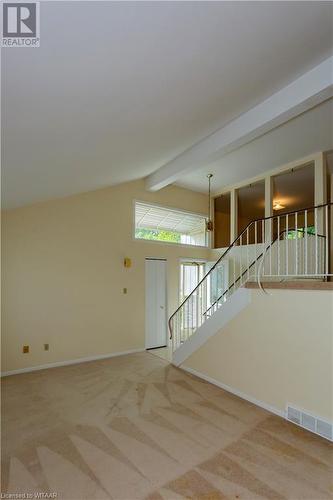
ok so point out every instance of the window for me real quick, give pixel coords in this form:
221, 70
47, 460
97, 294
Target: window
301, 232
200, 299
217, 281
157, 223
191, 273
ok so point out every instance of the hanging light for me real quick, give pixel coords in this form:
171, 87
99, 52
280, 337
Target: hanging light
209, 221
277, 205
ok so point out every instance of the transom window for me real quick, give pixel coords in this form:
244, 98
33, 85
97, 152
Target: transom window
158, 223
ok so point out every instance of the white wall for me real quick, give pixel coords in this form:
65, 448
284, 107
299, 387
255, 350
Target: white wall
278, 350
63, 274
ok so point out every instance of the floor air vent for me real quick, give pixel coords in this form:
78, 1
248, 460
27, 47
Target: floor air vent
309, 422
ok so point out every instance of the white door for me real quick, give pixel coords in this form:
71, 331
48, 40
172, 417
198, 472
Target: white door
156, 303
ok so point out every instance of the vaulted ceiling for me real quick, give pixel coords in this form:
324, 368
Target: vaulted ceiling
306, 134
117, 89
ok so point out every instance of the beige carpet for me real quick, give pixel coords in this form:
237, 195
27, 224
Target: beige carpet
136, 427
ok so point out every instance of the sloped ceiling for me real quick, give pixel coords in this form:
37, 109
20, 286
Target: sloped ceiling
117, 89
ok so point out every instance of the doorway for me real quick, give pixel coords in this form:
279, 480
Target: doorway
200, 298
156, 303
191, 273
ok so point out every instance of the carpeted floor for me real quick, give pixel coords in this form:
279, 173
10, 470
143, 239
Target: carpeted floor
136, 427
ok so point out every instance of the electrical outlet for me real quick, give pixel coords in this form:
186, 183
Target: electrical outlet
25, 349
46, 347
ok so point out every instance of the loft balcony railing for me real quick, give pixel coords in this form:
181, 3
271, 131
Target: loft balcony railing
294, 245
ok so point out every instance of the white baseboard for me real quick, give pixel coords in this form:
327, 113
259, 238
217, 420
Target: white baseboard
69, 362
236, 392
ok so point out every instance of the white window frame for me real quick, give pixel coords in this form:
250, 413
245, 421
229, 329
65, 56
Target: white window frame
157, 205
185, 260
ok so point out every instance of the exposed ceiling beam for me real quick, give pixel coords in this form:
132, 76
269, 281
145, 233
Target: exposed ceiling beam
302, 94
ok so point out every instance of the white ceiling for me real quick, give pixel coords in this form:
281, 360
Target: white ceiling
309, 133
117, 89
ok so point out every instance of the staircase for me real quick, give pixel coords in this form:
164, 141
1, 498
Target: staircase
282, 247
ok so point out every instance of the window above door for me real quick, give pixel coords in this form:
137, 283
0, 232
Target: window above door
158, 223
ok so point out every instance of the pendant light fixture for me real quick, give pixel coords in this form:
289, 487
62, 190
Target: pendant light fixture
209, 221
277, 205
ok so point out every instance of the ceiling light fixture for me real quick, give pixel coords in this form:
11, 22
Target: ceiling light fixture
278, 206
209, 221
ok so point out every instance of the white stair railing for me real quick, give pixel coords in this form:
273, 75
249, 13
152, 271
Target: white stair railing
294, 245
